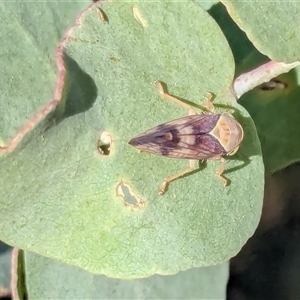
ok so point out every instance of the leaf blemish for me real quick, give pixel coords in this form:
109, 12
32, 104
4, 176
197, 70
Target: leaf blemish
139, 17
272, 85
116, 59
104, 143
130, 199
102, 15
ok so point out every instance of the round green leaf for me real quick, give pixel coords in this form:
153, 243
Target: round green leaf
269, 25
102, 212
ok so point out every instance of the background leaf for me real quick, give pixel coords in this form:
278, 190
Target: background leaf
44, 277
269, 25
275, 113
5, 272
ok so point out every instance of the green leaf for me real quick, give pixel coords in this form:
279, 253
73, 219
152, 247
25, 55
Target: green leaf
243, 50
30, 33
18, 285
67, 197
44, 278
276, 113
269, 25
5, 270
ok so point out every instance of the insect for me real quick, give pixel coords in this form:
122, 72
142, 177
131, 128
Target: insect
195, 137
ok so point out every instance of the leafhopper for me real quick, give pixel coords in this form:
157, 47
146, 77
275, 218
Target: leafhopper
195, 137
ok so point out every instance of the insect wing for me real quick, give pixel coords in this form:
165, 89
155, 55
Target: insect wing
187, 137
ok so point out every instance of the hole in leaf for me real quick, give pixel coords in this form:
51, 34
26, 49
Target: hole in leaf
104, 143
272, 85
130, 199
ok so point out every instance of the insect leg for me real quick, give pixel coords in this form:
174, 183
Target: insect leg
169, 97
208, 102
220, 171
167, 180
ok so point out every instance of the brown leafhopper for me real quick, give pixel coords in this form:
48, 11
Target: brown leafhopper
195, 137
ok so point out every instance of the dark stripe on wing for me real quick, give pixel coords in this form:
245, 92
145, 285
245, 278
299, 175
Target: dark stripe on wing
187, 137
